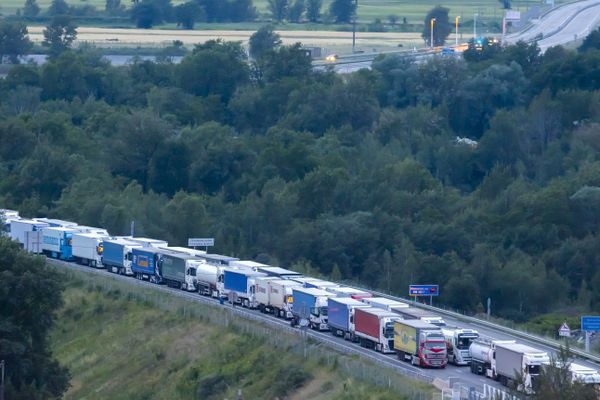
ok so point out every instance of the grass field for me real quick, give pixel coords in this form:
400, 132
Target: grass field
125, 342
368, 10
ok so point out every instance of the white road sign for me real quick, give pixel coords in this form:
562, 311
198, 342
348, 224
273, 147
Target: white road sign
564, 330
201, 242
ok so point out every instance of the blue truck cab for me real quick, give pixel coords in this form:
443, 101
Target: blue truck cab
57, 242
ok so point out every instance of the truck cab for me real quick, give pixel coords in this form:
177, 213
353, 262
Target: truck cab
458, 342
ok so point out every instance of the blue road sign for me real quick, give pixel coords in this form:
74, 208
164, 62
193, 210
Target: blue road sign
424, 290
590, 323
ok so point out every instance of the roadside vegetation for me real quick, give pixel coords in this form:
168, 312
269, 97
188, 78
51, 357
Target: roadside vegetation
125, 342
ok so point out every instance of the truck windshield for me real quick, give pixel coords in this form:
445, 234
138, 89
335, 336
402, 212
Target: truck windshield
534, 370
464, 342
192, 271
323, 311
389, 330
435, 345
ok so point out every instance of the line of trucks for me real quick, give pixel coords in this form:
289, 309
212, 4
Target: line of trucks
389, 326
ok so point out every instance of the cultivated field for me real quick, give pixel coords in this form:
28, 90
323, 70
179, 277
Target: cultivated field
368, 10
331, 41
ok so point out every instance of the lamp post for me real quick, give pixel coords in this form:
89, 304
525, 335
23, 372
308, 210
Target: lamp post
432, 24
474, 27
456, 37
2, 381
354, 26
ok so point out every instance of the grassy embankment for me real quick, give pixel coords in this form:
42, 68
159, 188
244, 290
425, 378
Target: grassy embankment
126, 342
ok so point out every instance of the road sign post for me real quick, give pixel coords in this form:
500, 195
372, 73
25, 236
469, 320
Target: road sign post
589, 323
201, 242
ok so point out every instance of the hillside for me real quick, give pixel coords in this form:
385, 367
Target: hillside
118, 345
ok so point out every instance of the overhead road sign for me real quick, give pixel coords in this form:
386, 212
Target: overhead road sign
201, 242
424, 290
590, 323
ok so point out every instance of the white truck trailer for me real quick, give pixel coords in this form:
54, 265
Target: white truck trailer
88, 247
345, 291
275, 296
384, 303
516, 358
28, 232
148, 242
458, 342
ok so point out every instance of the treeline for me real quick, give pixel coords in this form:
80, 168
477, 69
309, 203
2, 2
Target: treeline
482, 175
148, 13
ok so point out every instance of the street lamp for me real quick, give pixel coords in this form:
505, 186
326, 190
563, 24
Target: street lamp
2, 381
474, 27
432, 24
456, 38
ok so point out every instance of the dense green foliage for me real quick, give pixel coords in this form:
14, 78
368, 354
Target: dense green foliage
30, 295
361, 174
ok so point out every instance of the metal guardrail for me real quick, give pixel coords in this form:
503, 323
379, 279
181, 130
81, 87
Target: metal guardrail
336, 345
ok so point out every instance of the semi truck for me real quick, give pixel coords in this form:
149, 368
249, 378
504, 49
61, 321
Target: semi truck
275, 296
420, 343
180, 270
145, 263
88, 248
148, 242
581, 373
57, 242
28, 232
117, 255
345, 291
6, 217
458, 342
384, 303
515, 358
374, 328
423, 315
310, 305
240, 286
341, 316
481, 352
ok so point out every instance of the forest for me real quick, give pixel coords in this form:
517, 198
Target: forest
480, 174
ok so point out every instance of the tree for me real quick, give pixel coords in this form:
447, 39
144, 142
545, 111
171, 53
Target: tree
58, 7
114, 7
296, 11
342, 10
278, 9
263, 41
59, 35
241, 10
30, 295
146, 14
556, 382
505, 4
441, 27
31, 9
592, 41
187, 14
392, 19
313, 10
14, 41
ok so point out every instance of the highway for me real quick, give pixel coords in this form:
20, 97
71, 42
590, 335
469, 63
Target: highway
460, 375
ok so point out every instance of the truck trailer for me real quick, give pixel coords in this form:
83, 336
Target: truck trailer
341, 316
423, 315
515, 358
240, 286
374, 328
320, 284
310, 305
219, 259
57, 242
481, 352
54, 223
384, 303
88, 248
279, 272
145, 263
28, 232
148, 242
345, 291
275, 296
180, 270
458, 342
6, 217
117, 255
421, 343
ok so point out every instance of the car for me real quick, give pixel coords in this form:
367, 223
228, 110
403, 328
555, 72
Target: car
331, 58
